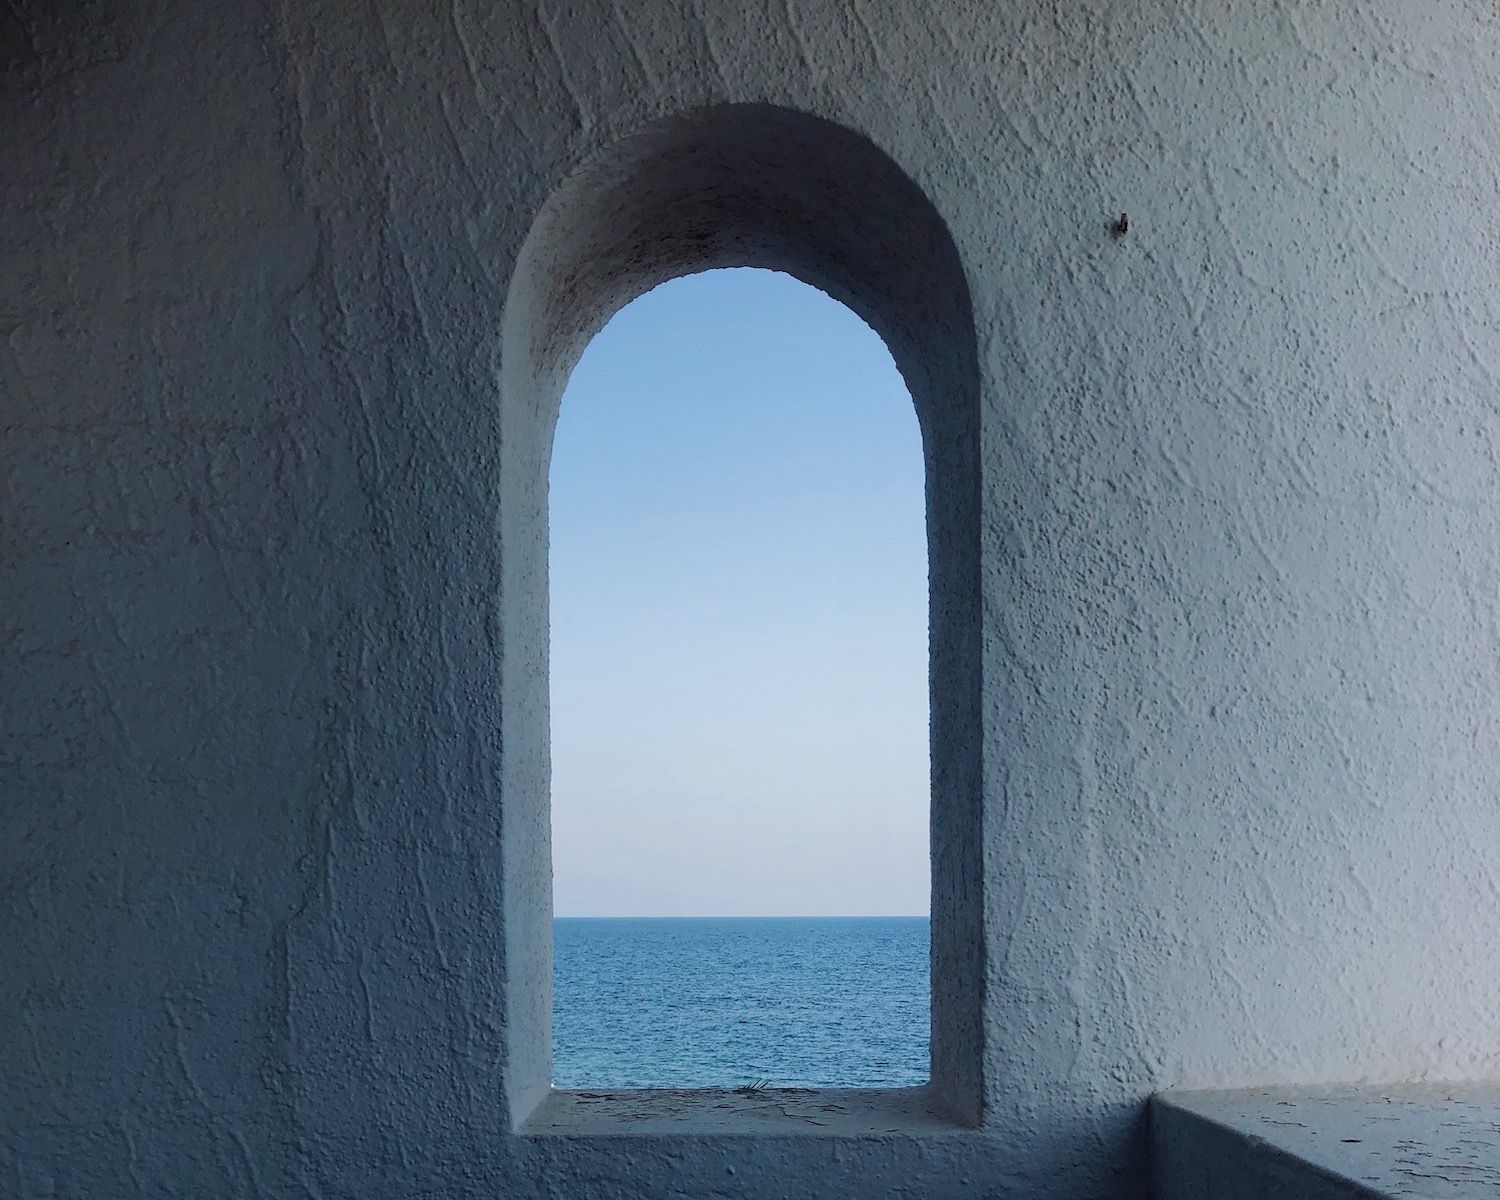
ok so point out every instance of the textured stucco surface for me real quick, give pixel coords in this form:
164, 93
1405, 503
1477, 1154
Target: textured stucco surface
261, 860
1439, 1141
760, 1112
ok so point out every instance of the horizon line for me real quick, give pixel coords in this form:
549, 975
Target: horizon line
741, 916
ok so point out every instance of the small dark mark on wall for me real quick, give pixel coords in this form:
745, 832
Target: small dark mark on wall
1119, 227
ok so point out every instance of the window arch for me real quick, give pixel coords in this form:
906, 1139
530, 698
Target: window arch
745, 185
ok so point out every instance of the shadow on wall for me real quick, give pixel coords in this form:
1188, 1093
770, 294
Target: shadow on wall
746, 186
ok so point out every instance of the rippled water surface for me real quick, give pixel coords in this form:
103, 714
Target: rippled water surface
720, 1002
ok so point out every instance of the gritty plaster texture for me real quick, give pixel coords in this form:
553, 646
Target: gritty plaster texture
757, 1112
278, 361
1351, 1143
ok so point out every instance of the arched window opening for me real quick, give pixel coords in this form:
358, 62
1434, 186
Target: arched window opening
739, 667
727, 186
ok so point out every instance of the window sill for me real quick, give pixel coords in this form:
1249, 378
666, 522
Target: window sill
766, 1112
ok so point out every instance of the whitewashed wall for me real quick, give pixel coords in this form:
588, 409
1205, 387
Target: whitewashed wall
1238, 566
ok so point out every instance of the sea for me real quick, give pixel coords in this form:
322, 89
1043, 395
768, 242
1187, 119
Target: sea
732, 1001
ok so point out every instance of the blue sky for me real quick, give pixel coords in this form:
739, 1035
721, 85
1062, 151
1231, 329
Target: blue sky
739, 612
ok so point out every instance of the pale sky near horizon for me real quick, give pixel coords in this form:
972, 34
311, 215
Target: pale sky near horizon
739, 613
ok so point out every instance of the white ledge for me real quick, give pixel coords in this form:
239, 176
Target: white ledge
1439, 1141
762, 1112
